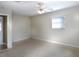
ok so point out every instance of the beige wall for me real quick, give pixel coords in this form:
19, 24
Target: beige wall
42, 29
21, 28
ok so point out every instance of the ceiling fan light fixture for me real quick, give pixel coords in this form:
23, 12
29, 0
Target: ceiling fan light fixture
41, 11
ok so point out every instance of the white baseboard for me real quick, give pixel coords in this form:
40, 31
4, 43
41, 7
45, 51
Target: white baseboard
61, 43
21, 41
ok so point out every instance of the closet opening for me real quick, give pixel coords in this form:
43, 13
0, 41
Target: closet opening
3, 32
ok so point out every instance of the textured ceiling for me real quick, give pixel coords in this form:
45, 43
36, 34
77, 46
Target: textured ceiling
28, 8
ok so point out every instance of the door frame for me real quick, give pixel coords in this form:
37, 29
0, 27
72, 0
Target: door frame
5, 31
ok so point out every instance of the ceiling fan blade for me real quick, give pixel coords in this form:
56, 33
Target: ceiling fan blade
48, 10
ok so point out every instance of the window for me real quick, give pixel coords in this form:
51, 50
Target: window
58, 22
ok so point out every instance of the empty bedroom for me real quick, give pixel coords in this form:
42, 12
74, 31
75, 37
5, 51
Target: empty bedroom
39, 28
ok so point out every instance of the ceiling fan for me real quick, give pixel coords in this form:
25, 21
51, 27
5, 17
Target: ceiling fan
42, 8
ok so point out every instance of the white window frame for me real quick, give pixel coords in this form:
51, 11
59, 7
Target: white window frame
57, 22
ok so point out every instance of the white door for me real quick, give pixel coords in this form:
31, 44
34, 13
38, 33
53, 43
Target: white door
1, 30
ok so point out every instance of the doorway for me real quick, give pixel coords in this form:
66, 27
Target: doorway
3, 32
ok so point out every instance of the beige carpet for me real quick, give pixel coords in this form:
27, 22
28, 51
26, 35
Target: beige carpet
38, 48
